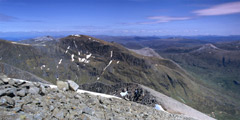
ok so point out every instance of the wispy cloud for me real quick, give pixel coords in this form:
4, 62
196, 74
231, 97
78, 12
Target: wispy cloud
34, 21
6, 18
162, 19
222, 9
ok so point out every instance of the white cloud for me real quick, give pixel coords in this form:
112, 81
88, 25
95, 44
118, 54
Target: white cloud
162, 19
223, 9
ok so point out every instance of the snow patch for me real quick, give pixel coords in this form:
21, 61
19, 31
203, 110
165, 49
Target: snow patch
159, 107
79, 53
124, 93
72, 57
97, 94
111, 54
60, 61
76, 35
107, 65
81, 59
20, 43
43, 66
207, 46
88, 56
86, 61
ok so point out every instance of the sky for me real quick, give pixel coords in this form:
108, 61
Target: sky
121, 17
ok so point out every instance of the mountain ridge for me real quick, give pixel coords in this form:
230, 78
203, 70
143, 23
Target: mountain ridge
111, 63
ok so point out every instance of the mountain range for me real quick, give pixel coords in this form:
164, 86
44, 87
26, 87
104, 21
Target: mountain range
197, 73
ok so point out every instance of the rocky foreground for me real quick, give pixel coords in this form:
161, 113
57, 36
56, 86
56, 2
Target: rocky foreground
28, 100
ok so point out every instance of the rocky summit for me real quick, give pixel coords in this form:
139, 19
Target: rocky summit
24, 100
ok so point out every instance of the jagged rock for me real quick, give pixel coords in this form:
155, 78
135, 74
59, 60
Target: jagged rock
42, 89
7, 102
33, 90
29, 108
3, 91
18, 82
55, 105
1, 81
62, 85
77, 96
11, 82
22, 92
11, 92
51, 108
72, 85
88, 110
27, 85
84, 117
5, 79
92, 101
59, 114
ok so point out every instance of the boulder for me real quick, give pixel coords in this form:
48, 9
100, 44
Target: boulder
72, 85
7, 102
21, 92
43, 90
88, 110
33, 90
5, 79
62, 85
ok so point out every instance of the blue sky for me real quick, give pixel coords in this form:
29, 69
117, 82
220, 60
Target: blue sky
121, 17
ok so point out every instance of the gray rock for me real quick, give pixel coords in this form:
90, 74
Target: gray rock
37, 84
3, 91
5, 79
62, 85
1, 82
11, 92
72, 85
11, 82
29, 108
58, 114
88, 110
43, 89
18, 82
33, 90
22, 92
58, 104
7, 102
84, 117
27, 85
51, 108
92, 101
37, 117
